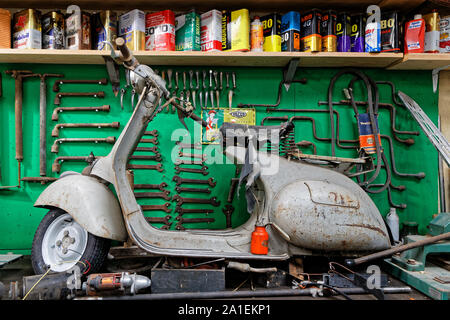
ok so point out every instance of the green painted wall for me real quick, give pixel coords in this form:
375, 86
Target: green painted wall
18, 218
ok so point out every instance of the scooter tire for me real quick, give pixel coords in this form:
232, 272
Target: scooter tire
92, 259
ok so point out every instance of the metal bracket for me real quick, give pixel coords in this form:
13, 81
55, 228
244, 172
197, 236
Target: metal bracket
289, 72
435, 76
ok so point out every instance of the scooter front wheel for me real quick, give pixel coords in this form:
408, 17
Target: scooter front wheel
60, 242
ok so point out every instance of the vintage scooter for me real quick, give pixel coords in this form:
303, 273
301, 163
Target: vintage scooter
305, 209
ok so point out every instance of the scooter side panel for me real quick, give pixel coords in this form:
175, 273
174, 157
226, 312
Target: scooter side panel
89, 202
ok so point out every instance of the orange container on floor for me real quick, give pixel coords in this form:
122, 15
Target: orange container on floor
260, 241
5, 26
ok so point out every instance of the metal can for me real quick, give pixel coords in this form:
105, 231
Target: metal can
311, 39
104, 28
132, 29
272, 32
53, 30
343, 31
389, 32
432, 32
27, 29
328, 31
358, 22
78, 30
444, 43
236, 30
211, 30
256, 35
160, 31
187, 32
290, 31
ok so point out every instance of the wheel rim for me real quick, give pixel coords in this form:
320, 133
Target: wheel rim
64, 243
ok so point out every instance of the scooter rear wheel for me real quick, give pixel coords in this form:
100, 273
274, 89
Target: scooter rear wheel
61, 243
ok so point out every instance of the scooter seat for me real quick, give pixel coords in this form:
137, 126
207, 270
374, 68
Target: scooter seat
233, 131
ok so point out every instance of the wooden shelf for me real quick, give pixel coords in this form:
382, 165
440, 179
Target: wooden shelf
183, 5
241, 59
422, 61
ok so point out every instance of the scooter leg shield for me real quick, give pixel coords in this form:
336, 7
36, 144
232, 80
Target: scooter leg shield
89, 202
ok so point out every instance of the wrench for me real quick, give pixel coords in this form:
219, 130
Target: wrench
146, 166
179, 225
182, 211
213, 201
151, 133
180, 180
153, 140
228, 211
211, 96
156, 157
181, 161
197, 76
152, 149
188, 145
202, 170
199, 190
164, 220
157, 207
192, 155
160, 186
146, 195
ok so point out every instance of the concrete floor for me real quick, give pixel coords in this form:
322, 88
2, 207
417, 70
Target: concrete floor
22, 267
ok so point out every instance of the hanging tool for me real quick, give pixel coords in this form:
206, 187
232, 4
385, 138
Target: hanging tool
56, 129
124, 89
157, 207
169, 85
182, 220
43, 121
176, 89
55, 146
191, 86
56, 166
216, 80
113, 72
228, 211
60, 95
58, 82
56, 111
157, 167
19, 75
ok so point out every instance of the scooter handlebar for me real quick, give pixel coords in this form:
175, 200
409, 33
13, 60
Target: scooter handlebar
127, 56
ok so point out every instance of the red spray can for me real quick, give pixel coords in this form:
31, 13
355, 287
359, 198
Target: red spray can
260, 241
415, 35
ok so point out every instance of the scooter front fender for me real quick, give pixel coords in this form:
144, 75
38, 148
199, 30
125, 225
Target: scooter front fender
89, 202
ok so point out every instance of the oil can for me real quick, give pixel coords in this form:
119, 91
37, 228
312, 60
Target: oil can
27, 29
160, 31
290, 32
328, 31
53, 30
272, 32
132, 29
311, 39
104, 28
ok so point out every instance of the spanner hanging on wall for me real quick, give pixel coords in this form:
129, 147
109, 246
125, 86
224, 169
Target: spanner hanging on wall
113, 72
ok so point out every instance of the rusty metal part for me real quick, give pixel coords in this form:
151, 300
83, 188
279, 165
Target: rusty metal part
151, 133
180, 180
197, 190
147, 195
228, 211
188, 145
389, 252
212, 201
192, 155
156, 157
59, 96
182, 211
233, 186
55, 146
57, 110
157, 207
59, 126
152, 149
203, 170
305, 144
181, 161
268, 118
146, 167
56, 166
41, 180
164, 220
58, 82
153, 140
160, 186
179, 225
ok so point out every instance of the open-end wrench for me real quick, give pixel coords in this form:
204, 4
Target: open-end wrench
147, 149
156, 157
181, 161
182, 211
164, 220
155, 207
153, 140
192, 155
228, 211
180, 180
179, 225
146, 167
216, 88
203, 170
188, 145
147, 195
196, 190
180, 200
160, 186
151, 133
